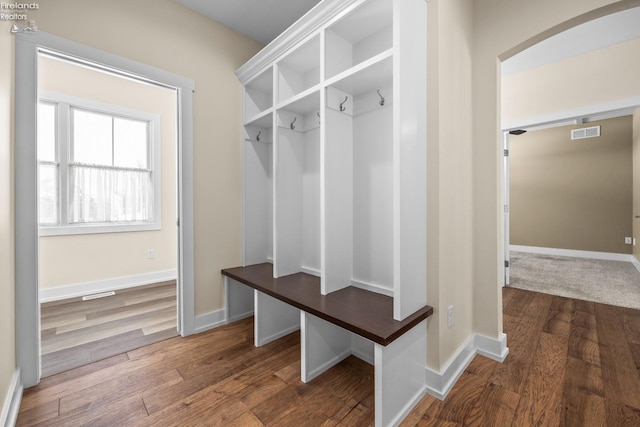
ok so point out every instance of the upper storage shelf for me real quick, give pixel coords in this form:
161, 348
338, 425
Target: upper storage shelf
258, 95
362, 34
300, 70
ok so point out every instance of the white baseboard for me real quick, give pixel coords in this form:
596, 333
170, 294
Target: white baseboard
278, 335
492, 348
439, 384
636, 263
210, 320
608, 256
372, 288
404, 412
311, 271
362, 348
11, 405
328, 364
82, 289
239, 317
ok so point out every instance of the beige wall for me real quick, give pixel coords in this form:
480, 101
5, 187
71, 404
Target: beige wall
7, 226
605, 75
572, 194
502, 29
466, 42
636, 183
67, 260
450, 39
166, 35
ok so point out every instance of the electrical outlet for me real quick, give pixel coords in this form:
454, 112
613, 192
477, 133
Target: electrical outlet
628, 240
151, 254
450, 316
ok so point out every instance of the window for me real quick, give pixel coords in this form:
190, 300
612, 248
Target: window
99, 167
49, 166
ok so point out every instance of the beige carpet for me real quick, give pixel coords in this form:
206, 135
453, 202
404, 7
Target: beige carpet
607, 282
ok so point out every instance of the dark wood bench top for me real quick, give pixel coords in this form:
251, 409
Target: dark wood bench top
365, 313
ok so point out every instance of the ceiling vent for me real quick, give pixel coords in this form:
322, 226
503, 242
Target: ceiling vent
590, 132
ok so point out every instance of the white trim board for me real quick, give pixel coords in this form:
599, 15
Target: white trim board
12, 401
601, 111
439, 384
215, 319
372, 287
608, 256
88, 288
210, 320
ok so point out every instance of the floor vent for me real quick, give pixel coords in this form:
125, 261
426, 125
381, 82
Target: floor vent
100, 295
590, 132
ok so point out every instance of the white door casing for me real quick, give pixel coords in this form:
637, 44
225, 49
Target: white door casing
26, 204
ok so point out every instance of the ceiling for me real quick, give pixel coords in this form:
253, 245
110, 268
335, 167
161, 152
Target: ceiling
264, 20
261, 20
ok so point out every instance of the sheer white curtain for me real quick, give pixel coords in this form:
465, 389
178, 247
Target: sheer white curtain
104, 194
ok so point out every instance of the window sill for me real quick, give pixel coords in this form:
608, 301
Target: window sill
68, 230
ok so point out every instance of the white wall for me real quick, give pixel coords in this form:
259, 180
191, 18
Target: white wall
85, 258
7, 224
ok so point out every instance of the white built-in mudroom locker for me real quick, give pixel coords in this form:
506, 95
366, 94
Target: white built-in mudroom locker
334, 141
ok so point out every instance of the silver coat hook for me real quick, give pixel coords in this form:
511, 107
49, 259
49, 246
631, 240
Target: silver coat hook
342, 108
258, 136
381, 102
292, 126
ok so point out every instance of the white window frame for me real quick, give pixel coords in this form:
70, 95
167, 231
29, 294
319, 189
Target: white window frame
65, 103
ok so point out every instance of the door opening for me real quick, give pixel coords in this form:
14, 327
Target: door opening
107, 261
27, 47
505, 200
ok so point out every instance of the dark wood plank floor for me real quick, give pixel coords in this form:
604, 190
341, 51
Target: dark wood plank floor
75, 332
572, 363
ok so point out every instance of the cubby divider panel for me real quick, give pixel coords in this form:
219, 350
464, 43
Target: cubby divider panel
258, 94
364, 33
300, 70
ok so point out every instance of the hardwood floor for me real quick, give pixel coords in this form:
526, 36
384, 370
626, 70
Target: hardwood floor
75, 332
572, 363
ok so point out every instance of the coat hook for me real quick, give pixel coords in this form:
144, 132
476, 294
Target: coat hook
342, 108
318, 114
292, 126
381, 102
258, 136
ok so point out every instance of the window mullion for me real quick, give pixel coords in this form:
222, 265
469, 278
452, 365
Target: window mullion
64, 151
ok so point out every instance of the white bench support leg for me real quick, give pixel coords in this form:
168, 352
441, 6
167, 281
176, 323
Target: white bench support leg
400, 375
323, 345
273, 319
238, 301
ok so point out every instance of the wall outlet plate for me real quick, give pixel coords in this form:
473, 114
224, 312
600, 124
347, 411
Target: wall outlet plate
628, 240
